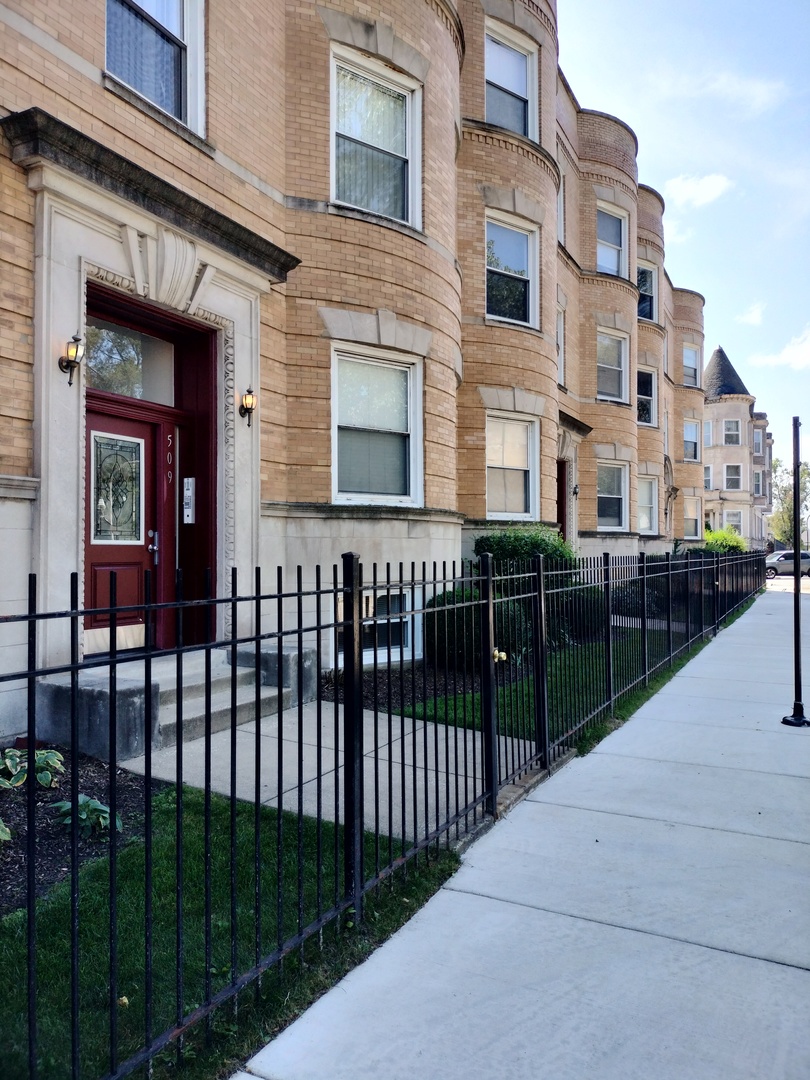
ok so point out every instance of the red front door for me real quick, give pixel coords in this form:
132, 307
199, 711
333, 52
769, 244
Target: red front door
130, 523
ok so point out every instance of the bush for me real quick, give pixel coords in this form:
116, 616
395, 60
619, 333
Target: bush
723, 540
453, 629
521, 543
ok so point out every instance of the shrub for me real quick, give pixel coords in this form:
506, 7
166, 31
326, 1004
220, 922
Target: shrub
523, 542
723, 540
453, 632
93, 816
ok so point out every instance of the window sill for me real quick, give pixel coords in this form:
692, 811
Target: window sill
132, 97
344, 210
612, 401
509, 324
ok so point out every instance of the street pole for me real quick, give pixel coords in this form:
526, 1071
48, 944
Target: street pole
797, 717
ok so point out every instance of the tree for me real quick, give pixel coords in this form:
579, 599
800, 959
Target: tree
782, 517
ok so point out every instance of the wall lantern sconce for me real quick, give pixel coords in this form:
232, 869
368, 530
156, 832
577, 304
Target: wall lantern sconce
575, 491
248, 404
74, 354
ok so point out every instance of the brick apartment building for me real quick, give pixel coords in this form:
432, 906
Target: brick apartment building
345, 276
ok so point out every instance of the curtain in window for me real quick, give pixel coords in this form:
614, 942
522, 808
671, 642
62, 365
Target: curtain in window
507, 87
146, 58
507, 467
373, 430
609, 367
371, 145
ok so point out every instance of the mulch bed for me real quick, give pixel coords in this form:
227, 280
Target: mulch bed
53, 839
413, 683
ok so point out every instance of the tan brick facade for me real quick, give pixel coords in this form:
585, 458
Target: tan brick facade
259, 151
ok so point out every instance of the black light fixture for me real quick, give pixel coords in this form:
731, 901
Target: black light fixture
74, 354
575, 490
248, 404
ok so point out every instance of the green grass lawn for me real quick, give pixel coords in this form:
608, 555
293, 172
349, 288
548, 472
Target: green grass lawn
311, 856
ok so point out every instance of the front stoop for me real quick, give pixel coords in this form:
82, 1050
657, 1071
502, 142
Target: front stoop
172, 712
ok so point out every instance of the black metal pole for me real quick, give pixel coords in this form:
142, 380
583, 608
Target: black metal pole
797, 717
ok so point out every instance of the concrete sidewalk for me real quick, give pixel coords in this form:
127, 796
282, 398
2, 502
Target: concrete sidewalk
643, 914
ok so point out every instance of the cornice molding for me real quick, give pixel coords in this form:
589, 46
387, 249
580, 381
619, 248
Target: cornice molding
36, 136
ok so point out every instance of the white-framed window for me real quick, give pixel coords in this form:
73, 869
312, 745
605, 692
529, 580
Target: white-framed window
611, 242
646, 397
511, 81
512, 467
647, 280
611, 496
647, 505
707, 433
707, 477
666, 433
734, 519
691, 519
758, 441
512, 271
733, 477
691, 365
757, 482
611, 366
392, 626
666, 352
376, 138
560, 346
561, 210
376, 427
156, 48
691, 434
731, 432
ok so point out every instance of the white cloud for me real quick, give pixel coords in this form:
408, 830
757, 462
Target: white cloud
675, 233
755, 96
795, 355
685, 191
753, 316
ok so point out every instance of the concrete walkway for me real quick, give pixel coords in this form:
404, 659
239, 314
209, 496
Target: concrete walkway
643, 914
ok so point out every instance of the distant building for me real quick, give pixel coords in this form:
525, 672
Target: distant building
737, 454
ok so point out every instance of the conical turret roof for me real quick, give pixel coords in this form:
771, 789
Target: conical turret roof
720, 378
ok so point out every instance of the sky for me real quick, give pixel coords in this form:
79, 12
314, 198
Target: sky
718, 94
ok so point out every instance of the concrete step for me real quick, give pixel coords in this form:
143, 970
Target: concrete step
194, 719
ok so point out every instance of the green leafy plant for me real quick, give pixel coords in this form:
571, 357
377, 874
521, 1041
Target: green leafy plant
523, 542
93, 816
14, 767
5, 833
727, 539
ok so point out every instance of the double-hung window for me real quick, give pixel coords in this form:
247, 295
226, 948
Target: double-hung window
376, 139
647, 279
560, 346
611, 496
611, 366
691, 519
511, 78
691, 434
611, 243
645, 397
707, 477
731, 432
512, 262
561, 210
733, 519
707, 433
647, 505
757, 482
758, 441
376, 430
511, 467
155, 47
691, 365
733, 478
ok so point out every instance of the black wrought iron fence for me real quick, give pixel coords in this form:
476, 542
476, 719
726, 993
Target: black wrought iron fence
276, 753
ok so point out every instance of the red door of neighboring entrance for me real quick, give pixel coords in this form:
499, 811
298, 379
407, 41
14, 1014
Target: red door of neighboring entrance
130, 524
562, 498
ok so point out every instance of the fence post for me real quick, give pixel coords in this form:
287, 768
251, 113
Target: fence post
353, 733
489, 712
716, 591
540, 651
606, 578
688, 598
645, 644
30, 844
669, 606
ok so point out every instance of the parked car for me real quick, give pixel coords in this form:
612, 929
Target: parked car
781, 562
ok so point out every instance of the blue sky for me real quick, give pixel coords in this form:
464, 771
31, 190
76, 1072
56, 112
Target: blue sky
718, 93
